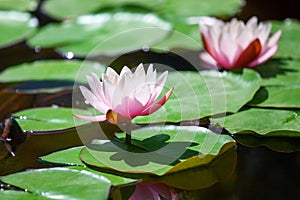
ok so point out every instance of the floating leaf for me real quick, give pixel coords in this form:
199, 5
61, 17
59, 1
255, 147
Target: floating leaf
15, 26
197, 95
71, 8
13, 195
281, 144
289, 41
20, 5
60, 183
105, 33
180, 9
167, 150
64, 70
47, 118
266, 122
184, 36
281, 79
71, 157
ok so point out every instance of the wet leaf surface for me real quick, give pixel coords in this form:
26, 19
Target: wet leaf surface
281, 80
71, 157
103, 33
289, 41
47, 70
164, 153
47, 118
265, 122
71, 8
20, 5
197, 95
15, 27
92, 186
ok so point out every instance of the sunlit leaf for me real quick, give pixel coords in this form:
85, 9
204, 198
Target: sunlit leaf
162, 152
47, 118
64, 70
105, 33
266, 122
276, 129
13, 195
281, 81
61, 183
184, 36
289, 41
197, 95
15, 26
71, 157
20, 5
181, 10
70, 8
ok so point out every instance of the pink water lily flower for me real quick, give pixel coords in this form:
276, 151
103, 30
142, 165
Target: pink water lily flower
153, 191
125, 96
235, 44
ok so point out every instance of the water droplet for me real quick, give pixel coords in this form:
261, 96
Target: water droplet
37, 49
145, 48
69, 55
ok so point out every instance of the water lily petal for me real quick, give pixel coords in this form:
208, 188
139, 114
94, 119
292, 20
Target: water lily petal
159, 86
251, 52
208, 61
235, 44
263, 58
142, 94
274, 39
125, 70
154, 107
99, 89
229, 49
93, 100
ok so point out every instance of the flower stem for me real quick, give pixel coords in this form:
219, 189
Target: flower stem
128, 132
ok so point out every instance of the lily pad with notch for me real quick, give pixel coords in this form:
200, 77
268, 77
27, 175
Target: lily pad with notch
274, 128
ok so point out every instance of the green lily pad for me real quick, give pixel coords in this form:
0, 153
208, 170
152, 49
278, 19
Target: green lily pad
280, 72
158, 152
13, 195
265, 122
65, 70
289, 41
20, 5
105, 33
61, 9
180, 9
64, 183
71, 157
184, 36
47, 118
281, 144
198, 95
15, 26
281, 81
